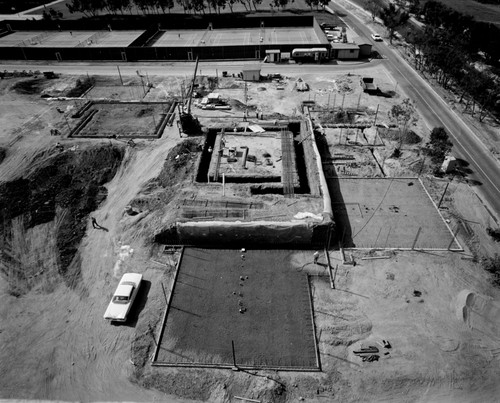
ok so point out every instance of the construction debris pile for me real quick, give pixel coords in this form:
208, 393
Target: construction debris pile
301, 85
344, 84
372, 353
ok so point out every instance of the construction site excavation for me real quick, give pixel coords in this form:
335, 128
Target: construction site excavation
296, 242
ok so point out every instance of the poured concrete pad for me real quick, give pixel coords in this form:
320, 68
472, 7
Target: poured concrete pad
387, 213
275, 329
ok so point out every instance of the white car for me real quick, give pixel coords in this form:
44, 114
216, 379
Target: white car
377, 37
123, 298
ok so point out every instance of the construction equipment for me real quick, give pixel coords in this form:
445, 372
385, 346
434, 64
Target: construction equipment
189, 124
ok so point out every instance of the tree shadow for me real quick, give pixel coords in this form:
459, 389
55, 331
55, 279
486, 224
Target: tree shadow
386, 94
463, 170
343, 233
462, 163
474, 182
138, 306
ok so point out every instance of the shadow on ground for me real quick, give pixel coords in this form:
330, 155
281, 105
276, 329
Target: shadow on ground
343, 234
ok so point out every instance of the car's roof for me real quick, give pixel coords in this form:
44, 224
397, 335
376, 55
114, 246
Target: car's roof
124, 290
134, 277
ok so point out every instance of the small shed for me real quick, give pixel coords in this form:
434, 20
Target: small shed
450, 163
251, 73
273, 55
345, 50
365, 47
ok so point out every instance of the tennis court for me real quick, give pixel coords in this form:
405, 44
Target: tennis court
114, 38
70, 39
237, 37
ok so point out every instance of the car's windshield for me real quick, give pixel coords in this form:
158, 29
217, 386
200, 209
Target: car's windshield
120, 299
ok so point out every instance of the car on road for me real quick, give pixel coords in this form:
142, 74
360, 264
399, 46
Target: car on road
123, 298
325, 26
377, 37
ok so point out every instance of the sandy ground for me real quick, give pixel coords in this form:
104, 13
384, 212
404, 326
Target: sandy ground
55, 345
67, 352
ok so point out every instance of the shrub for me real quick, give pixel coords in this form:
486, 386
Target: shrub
438, 146
492, 265
494, 233
80, 87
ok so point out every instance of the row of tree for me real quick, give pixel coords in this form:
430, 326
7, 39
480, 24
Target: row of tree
477, 36
92, 8
449, 48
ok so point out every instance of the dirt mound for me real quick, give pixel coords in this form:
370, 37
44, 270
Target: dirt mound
189, 384
67, 181
31, 86
240, 106
181, 156
410, 137
160, 191
344, 84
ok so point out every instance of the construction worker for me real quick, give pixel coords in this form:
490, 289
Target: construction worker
316, 257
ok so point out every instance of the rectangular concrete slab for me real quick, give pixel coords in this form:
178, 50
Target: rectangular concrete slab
387, 213
274, 328
266, 150
115, 38
49, 39
238, 37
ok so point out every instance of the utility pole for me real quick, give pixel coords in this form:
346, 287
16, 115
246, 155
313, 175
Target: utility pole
376, 114
164, 293
66, 119
442, 196
120, 74
234, 356
416, 238
359, 100
246, 102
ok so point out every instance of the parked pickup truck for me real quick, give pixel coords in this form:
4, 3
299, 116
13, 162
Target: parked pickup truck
123, 298
368, 86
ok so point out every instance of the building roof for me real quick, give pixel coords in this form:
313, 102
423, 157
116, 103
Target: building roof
341, 45
252, 67
361, 40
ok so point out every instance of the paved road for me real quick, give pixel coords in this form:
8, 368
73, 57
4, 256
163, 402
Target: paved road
436, 112
177, 68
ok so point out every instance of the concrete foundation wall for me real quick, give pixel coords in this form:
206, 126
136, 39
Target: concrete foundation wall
241, 233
